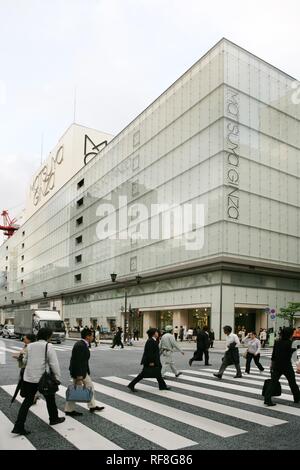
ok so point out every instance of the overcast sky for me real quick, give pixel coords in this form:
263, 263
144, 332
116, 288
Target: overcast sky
120, 55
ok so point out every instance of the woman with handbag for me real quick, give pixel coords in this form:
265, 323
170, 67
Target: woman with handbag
151, 362
281, 365
38, 358
253, 351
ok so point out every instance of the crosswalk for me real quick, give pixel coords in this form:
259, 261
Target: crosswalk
198, 405
65, 348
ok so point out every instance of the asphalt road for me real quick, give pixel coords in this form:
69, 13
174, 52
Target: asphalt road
200, 412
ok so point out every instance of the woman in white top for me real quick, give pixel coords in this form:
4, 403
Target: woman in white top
253, 351
263, 338
34, 361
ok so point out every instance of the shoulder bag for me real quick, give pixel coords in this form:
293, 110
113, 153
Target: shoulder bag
48, 384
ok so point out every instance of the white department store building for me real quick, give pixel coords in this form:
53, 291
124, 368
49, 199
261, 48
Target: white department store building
224, 139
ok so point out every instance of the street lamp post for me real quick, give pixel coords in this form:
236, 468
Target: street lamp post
126, 323
114, 278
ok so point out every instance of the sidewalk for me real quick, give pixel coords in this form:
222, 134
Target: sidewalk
219, 346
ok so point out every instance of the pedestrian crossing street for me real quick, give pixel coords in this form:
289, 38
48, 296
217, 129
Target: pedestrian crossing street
198, 405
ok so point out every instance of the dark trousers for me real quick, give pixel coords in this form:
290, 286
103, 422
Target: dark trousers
161, 383
249, 358
198, 356
175, 336
136, 336
117, 343
290, 376
211, 343
30, 390
227, 362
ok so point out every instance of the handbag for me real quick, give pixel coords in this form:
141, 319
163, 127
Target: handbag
48, 384
245, 354
276, 392
79, 393
151, 372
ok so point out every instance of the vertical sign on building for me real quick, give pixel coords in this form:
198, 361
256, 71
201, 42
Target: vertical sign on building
232, 149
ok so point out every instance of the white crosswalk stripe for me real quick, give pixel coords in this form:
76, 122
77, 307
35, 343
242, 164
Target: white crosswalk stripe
232, 397
255, 380
223, 384
260, 376
7, 349
72, 430
160, 436
241, 404
9, 441
213, 406
199, 422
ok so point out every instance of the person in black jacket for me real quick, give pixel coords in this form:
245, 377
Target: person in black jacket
150, 359
80, 371
202, 347
211, 335
117, 340
281, 365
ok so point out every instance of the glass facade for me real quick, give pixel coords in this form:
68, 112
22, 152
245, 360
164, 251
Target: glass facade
225, 139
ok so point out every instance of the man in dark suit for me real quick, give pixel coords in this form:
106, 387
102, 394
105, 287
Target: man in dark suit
281, 365
80, 371
150, 359
202, 347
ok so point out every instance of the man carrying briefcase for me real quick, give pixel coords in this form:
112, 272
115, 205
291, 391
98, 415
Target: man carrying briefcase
80, 371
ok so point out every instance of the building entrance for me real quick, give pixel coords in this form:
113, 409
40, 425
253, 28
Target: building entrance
249, 319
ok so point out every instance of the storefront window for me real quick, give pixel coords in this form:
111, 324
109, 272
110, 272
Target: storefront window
198, 318
164, 318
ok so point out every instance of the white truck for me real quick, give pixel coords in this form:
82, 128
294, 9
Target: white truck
31, 321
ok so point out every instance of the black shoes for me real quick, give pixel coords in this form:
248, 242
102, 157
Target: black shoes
165, 388
219, 376
208, 364
96, 408
21, 432
177, 375
237, 376
269, 403
190, 362
73, 413
57, 421
132, 389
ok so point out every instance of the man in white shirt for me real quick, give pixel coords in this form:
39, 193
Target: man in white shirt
231, 355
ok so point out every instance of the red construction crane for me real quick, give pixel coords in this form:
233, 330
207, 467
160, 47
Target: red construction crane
9, 225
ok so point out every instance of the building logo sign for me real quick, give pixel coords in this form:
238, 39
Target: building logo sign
44, 182
91, 149
232, 154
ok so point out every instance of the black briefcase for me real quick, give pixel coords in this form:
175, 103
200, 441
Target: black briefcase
151, 372
276, 392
